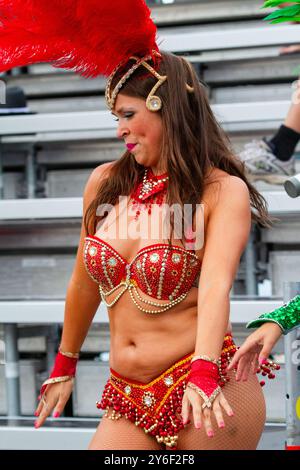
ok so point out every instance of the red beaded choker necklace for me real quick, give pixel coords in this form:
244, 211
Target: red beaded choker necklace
151, 190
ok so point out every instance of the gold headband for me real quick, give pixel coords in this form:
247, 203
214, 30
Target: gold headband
153, 102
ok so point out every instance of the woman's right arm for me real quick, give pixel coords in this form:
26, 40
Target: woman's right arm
81, 305
83, 298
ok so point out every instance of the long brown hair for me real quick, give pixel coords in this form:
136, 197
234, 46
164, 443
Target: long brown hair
193, 143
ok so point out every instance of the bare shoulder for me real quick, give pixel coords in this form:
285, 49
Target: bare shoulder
221, 186
100, 172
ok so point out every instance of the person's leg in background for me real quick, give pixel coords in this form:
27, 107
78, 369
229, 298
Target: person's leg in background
287, 137
273, 160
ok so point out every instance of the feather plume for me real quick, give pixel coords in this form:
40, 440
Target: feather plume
90, 37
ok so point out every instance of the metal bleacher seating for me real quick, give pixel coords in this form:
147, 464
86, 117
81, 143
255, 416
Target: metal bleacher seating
46, 158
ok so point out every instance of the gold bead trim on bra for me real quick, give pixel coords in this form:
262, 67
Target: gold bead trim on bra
130, 284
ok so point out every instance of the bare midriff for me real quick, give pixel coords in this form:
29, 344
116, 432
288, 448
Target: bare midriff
144, 345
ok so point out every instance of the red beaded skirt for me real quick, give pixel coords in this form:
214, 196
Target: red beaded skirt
156, 406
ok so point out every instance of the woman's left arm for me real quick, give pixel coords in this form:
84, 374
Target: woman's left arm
227, 234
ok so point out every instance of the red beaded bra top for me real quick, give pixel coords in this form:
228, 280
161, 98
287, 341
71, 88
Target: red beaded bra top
161, 271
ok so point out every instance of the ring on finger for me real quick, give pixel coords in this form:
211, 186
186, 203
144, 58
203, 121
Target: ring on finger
43, 400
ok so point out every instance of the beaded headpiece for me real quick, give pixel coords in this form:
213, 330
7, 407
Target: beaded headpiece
153, 102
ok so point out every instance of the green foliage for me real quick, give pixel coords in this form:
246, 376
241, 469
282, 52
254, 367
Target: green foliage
275, 3
283, 20
287, 14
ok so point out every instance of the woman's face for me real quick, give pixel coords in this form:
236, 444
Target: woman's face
137, 125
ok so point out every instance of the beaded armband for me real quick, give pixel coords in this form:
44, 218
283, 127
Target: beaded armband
286, 317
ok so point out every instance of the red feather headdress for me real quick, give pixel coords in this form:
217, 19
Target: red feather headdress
90, 37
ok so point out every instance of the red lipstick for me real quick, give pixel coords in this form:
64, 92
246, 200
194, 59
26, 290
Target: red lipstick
130, 146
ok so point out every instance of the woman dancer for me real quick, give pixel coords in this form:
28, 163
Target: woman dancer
169, 318
168, 295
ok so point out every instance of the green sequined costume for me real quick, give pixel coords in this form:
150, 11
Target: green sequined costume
287, 316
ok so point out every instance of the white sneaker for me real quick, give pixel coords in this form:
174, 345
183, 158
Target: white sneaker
262, 164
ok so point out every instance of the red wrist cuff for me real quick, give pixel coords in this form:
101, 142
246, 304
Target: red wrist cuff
64, 369
204, 378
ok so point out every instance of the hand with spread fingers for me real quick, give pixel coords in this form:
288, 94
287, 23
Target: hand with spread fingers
255, 350
53, 401
203, 394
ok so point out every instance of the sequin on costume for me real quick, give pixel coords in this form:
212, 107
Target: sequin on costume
156, 406
287, 316
161, 271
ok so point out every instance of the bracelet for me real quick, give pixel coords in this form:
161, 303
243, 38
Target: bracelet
69, 354
205, 358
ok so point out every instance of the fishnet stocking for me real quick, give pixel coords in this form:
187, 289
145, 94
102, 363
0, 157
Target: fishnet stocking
241, 432
122, 434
